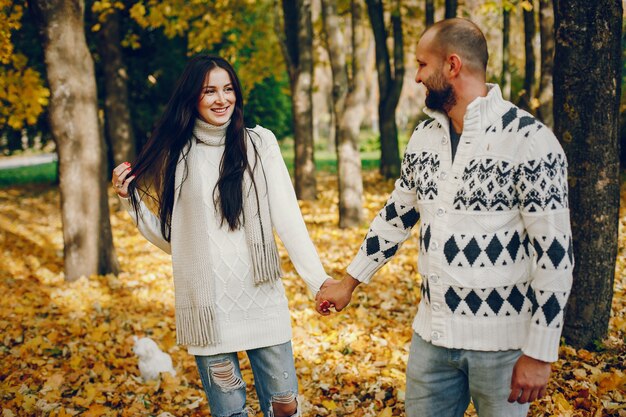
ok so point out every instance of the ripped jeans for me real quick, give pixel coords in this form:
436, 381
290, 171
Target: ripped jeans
274, 380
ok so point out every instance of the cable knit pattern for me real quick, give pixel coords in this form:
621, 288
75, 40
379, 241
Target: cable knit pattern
248, 316
495, 241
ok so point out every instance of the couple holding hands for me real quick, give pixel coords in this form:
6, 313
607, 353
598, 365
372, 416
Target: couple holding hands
485, 181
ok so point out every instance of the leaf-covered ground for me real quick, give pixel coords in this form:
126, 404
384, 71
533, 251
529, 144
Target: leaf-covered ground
65, 348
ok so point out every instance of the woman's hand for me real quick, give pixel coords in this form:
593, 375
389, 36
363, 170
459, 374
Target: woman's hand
121, 178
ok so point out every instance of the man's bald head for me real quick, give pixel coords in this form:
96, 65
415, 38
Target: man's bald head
461, 37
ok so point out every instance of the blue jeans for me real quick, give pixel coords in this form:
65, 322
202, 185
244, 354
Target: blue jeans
441, 381
275, 380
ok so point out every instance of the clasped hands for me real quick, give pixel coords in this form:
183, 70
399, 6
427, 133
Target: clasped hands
335, 294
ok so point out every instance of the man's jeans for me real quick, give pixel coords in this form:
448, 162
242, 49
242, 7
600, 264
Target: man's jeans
274, 379
441, 381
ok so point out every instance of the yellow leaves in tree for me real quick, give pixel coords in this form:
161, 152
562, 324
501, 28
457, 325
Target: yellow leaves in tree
23, 95
10, 19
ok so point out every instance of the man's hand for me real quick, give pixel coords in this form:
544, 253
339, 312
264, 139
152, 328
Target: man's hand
335, 294
529, 380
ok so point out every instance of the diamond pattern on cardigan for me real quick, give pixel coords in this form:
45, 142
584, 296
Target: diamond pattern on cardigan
398, 215
488, 185
426, 176
424, 239
548, 308
542, 183
489, 302
499, 249
425, 291
554, 252
378, 249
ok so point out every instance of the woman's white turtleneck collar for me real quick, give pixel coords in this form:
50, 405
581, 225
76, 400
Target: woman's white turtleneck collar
210, 134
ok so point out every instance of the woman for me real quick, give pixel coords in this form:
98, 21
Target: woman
220, 189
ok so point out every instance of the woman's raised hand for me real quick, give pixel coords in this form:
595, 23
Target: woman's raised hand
121, 178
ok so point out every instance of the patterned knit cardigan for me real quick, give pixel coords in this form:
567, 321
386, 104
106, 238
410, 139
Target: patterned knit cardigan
495, 254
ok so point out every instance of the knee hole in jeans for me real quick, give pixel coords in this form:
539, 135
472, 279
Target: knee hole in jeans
223, 374
284, 405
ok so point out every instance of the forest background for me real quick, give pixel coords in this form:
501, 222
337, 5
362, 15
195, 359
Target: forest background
85, 81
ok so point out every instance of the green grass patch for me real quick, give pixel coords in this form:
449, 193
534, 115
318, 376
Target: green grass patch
42, 173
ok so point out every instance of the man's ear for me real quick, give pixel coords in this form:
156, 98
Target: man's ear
454, 65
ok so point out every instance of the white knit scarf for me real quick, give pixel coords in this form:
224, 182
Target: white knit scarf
193, 272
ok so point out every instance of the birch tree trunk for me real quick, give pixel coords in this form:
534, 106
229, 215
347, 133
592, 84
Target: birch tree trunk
88, 246
296, 38
349, 95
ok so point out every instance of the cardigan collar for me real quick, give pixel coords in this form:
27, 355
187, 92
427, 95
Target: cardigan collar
210, 134
480, 113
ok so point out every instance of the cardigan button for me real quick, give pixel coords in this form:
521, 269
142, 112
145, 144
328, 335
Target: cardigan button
434, 278
440, 211
436, 306
444, 175
434, 245
444, 140
435, 335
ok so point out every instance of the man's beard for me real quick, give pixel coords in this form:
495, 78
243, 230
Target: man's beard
440, 95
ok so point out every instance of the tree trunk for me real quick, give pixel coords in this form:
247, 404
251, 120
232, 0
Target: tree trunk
389, 86
74, 123
119, 129
451, 6
529, 50
546, 29
348, 99
505, 79
587, 84
297, 46
429, 11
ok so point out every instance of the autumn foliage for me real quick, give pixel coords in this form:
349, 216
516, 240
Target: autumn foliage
65, 348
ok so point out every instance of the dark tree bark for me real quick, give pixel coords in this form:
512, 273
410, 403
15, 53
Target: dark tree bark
546, 30
587, 87
348, 99
505, 78
530, 62
451, 6
73, 119
389, 85
429, 12
297, 46
118, 126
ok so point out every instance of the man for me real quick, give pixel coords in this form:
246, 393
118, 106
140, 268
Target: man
489, 183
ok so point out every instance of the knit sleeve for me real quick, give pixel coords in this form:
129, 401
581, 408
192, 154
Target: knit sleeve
148, 224
286, 216
391, 226
543, 198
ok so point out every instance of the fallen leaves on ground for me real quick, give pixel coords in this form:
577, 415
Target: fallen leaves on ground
66, 348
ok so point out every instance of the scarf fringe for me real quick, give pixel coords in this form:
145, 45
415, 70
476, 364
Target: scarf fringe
266, 263
196, 326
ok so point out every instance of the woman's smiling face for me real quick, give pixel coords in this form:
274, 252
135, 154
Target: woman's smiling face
217, 98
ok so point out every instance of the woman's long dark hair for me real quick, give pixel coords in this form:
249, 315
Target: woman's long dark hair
155, 166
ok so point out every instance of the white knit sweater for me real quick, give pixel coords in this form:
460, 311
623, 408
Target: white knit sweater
248, 316
495, 241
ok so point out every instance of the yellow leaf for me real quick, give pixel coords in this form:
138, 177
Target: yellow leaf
386, 412
526, 5
561, 402
329, 405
